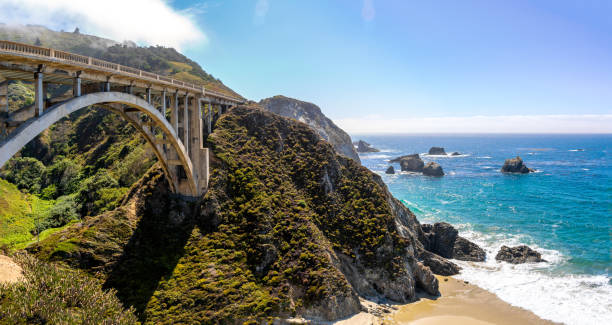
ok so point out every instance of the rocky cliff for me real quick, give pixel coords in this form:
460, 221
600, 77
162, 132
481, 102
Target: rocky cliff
287, 228
311, 114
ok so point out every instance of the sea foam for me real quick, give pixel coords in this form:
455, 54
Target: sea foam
566, 298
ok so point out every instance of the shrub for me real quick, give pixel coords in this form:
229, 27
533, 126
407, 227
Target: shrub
64, 211
53, 295
94, 193
64, 174
27, 173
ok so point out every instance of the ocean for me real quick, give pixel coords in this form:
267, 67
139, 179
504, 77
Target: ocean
563, 210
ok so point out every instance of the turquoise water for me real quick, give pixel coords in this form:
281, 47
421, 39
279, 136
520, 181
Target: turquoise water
564, 210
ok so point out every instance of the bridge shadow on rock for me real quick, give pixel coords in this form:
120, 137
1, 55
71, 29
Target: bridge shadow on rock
156, 245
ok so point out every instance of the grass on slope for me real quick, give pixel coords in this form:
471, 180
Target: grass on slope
18, 214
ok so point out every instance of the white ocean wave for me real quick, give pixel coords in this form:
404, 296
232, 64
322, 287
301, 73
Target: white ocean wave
389, 150
374, 156
445, 156
566, 298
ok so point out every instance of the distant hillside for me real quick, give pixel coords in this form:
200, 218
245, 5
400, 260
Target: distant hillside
156, 59
311, 114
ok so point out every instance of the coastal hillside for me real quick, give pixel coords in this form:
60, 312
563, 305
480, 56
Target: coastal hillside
288, 228
84, 164
311, 115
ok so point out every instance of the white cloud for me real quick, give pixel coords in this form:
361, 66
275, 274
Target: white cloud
150, 22
480, 124
261, 10
367, 10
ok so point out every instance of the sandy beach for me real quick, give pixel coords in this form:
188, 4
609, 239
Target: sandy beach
462, 303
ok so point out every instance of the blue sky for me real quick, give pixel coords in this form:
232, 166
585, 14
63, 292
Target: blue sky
390, 61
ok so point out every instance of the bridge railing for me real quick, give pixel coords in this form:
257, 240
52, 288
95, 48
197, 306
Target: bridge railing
96, 64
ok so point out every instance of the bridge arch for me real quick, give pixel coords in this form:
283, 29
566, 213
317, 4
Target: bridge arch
116, 102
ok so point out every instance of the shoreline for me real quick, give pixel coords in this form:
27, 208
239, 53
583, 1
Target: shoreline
460, 303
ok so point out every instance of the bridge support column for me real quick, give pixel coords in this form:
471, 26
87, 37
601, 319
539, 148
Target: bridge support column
76, 87
209, 118
39, 94
200, 153
149, 95
174, 113
163, 103
4, 99
186, 124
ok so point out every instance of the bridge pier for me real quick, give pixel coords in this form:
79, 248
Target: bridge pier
186, 123
163, 103
209, 118
174, 112
39, 94
76, 86
4, 99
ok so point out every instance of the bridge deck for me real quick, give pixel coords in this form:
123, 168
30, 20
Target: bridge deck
19, 61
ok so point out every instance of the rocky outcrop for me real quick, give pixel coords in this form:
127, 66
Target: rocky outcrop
465, 250
425, 279
411, 163
390, 170
398, 159
438, 264
518, 255
438, 151
515, 165
433, 169
441, 238
363, 147
311, 115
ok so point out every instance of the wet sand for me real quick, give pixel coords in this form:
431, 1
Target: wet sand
9, 270
462, 303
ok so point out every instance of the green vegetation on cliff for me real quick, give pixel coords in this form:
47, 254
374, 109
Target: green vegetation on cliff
286, 228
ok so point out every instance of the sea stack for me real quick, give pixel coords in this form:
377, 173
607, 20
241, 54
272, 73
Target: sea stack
515, 165
411, 163
433, 169
363, 146
518, 255
438, 151
390, 170
443, 239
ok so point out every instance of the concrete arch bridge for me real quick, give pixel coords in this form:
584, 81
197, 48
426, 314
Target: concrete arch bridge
142, 98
